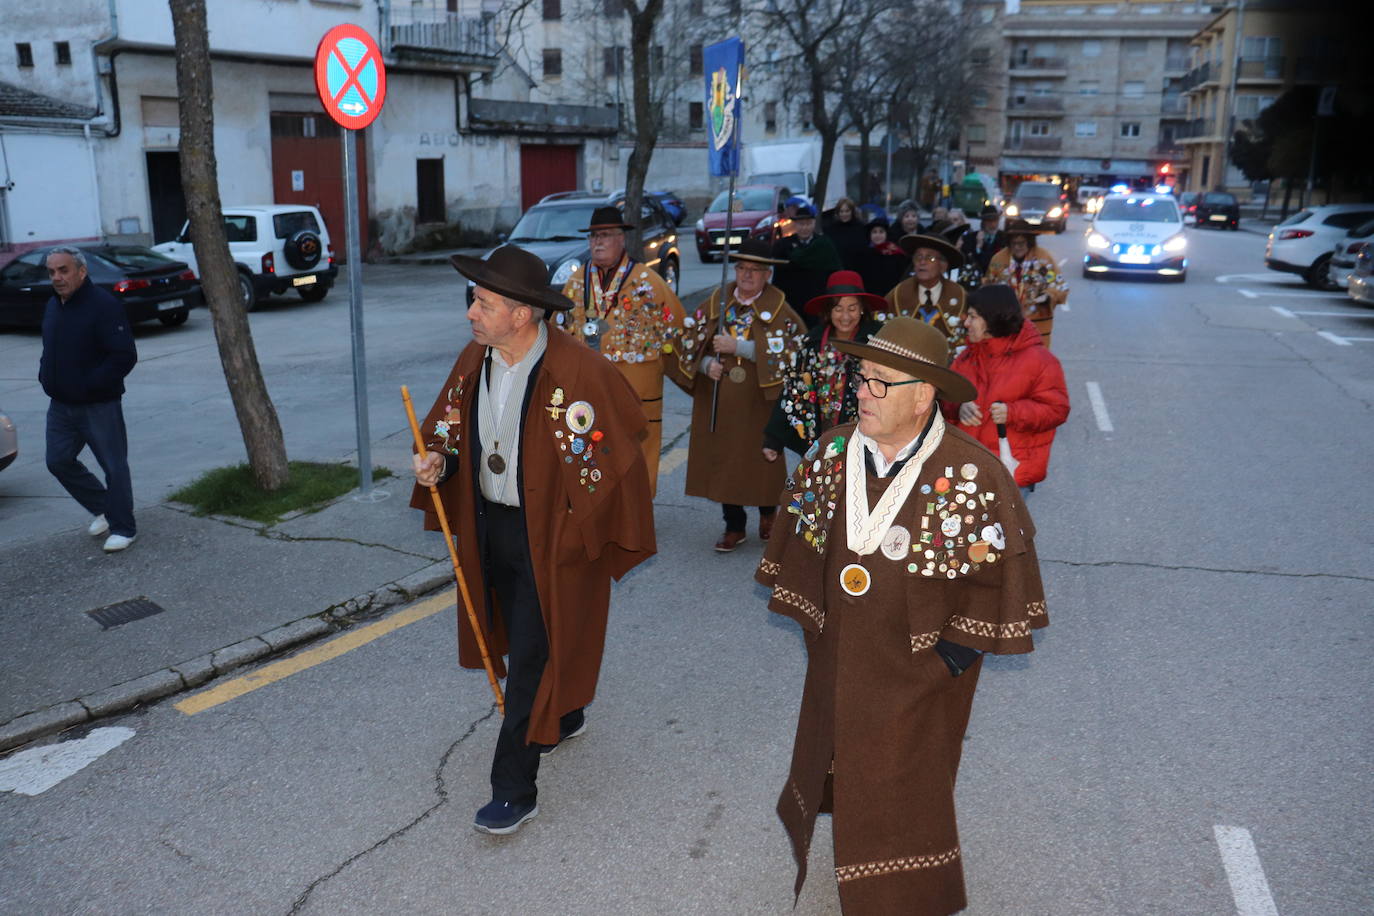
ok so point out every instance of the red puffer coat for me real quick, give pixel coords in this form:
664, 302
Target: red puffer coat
1021, 373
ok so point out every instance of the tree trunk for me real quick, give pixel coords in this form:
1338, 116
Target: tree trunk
262, 436
825, 127
647, 120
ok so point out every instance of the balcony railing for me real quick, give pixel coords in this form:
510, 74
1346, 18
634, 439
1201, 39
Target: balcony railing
1173, 105
1197, 76
434, 32
1032, 104
1035, 144
1167, 151
1263, 68
1176, 63
1197, 127
1040, 63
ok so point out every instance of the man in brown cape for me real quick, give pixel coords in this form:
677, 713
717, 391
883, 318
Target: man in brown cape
732, 361
928, 295
906, 553
534, 443
626, 312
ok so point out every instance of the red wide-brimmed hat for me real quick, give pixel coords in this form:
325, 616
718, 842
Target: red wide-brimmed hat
845, 283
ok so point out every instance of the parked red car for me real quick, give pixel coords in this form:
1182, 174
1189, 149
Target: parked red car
757, 214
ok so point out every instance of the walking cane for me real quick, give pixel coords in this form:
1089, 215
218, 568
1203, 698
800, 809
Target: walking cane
453, 555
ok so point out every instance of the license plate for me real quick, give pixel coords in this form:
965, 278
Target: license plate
1033, 220
1135, 259
170, 304
303, 281
1218, 217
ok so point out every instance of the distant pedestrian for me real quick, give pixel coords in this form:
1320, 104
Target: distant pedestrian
807, 259
88, 350
979, 245
1020, 383
1032, 273
884, 263
533, 443
844, 226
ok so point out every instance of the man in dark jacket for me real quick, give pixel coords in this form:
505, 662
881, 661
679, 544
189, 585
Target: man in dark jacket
87, 350
810, 259
979, 245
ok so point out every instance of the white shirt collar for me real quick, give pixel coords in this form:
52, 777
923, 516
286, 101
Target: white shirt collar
750, 301
934, 292
881, 464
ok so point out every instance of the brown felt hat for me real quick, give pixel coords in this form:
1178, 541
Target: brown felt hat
608, 218
916, 348
911, 242
515, 273
756, 250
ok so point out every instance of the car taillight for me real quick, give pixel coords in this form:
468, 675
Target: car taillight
1287, 234
269, 263
128, 286
188, 276
1355, 248
330, 250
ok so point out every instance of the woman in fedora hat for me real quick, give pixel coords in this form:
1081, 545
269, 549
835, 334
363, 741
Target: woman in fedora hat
626, 312
1033, 275
928, 294
819, 390
906, 554
533, 444
1020, 383
731, 360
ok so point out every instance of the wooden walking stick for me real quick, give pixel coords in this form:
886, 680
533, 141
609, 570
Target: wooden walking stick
453, 555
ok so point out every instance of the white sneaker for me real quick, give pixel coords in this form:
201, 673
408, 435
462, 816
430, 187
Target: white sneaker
98, 526
117, 542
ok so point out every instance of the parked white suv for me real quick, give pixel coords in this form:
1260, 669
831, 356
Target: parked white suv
276, 247
1302, 244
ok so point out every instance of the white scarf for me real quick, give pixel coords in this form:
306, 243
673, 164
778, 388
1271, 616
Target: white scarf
866, 530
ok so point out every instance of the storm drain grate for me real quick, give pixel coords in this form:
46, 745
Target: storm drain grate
112, 615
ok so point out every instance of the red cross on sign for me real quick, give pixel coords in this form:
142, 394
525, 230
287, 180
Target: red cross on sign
350, 76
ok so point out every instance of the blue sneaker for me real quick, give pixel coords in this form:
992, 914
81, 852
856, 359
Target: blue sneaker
548, 749
501, 817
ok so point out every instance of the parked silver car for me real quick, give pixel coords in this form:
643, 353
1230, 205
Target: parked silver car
9, 442
1343, 255
1361, 287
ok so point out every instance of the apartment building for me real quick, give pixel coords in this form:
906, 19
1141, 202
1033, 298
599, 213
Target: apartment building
1089, 92
1241, 60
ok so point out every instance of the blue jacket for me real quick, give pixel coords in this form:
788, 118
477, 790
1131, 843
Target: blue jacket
88, 347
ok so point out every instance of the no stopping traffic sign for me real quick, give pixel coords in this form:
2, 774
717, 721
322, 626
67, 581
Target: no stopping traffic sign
350, 76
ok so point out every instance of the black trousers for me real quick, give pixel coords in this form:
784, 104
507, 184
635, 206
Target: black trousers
736, 520
510, 574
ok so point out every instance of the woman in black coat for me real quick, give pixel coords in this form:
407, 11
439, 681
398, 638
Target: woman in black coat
845, 228
884, 263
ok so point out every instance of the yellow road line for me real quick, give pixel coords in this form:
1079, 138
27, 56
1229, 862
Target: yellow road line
670, 462
270, 674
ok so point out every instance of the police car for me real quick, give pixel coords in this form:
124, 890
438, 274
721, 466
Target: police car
1137, 233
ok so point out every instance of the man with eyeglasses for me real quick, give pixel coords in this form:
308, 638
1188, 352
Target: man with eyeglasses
906, 554
1032, 272
928, 295
625, 310
732, 361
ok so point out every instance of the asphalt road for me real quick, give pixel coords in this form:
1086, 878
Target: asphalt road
1187, 738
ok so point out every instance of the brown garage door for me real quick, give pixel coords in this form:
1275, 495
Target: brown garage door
307, 168
546, 170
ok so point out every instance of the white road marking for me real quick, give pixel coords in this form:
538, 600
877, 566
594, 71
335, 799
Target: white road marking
1104, 422
1249, 888
1247, 294
1275, 277
1289, 294
670, 462
1335, 339
1283, 312
37, 770
1358, 339
1333, 314
1065, 308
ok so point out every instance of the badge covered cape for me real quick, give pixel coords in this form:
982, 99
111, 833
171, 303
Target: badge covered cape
585, 494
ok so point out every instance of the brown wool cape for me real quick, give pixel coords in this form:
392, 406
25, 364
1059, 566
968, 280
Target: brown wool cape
905, 299
882, 720
582, 534
728, 466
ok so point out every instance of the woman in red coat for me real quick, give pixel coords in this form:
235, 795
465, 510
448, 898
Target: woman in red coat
1020, 383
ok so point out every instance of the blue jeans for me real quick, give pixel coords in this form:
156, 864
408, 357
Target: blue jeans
72, 427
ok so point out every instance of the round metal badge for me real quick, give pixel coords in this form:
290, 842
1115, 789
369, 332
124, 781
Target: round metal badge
896, 543
581, 416
737, 374
855, 580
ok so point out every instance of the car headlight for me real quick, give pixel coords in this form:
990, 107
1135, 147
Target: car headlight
564, 272
1177, 243
1054, 213
765, 223
1011, 210
701, 225
1098, 240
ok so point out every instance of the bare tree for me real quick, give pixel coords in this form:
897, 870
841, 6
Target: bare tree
258, 423
648, 105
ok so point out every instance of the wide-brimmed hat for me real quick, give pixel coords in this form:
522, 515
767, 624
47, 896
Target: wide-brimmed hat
804, 211
1020, 227
515, 273
989, 212
756, 250
912, 241
916, 348
607, 218
844, 283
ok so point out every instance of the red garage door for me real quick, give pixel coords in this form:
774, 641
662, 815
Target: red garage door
307, 168
546, 170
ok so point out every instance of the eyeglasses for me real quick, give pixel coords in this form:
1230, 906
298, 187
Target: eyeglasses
928, 258
751, 268
608, 234
878, 387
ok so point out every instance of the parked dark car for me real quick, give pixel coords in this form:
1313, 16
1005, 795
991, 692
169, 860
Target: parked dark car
1217, 208
1187, 205
1039, 203
1347, 250
757, 213
9, 442
553, 229
151, 285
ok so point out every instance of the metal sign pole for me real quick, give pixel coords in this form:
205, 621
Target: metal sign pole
355, 308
